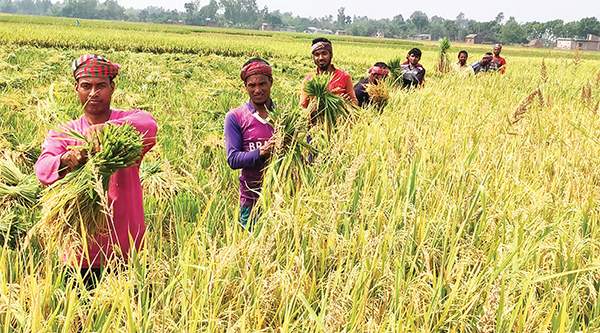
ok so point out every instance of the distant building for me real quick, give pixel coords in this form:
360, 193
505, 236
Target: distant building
420, 37
378, 34
287, 28
214, 24
313, 30
591, 43
267, 27
474, 39
340, 33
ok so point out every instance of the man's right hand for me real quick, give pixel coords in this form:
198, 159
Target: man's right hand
72, 159
266, 149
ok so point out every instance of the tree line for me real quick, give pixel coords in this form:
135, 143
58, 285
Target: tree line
247, 14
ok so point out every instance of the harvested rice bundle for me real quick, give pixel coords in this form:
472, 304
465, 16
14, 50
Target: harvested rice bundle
379, 94
78, 203
395, 66
19, 149
16, 186
287, 163
325, 107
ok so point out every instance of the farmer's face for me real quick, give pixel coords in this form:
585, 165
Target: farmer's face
413, 59
259, 88
95, 93
322, 59
462, 58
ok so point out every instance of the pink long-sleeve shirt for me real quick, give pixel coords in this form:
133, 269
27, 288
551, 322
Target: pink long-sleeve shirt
124, 192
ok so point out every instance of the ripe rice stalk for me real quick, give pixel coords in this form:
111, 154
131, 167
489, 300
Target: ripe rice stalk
443, 64
159, 180
544, 72
597, 85
325, 107
586, 93
523, 107
73, 205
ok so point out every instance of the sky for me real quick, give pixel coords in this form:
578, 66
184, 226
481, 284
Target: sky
522, 10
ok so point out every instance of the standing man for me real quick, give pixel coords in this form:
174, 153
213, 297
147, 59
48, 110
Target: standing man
378, 73
461, 66
498, 63
413, 74
94, 86
341, 82
483, 65
248, 135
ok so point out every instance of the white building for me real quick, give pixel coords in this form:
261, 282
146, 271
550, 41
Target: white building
591, 43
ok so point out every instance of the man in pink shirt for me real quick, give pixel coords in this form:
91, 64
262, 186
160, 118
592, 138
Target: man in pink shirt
341, 82
94, 86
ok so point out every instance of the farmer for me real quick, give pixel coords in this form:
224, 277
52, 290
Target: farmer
498, 63
461, 66
378, 73
341, 82
248, 135
413, 74
94, 86
483, 65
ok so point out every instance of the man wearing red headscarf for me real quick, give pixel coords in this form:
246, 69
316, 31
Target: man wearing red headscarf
340, 83
377, 74
94, 86
498, 63
248, 135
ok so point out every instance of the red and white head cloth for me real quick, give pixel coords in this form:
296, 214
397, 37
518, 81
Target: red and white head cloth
255, 68
379, 70
93, 65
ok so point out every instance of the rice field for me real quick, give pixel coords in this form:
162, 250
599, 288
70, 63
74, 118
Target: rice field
470, 205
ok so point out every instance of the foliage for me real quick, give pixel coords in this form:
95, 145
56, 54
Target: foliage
443, 64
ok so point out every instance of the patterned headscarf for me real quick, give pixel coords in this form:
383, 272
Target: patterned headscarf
254, 68
379, 70
321, 45
497, 46
93, 65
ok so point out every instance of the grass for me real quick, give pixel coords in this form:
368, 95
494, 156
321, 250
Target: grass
441, 213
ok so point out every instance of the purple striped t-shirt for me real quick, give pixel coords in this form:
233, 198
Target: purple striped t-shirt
245, 133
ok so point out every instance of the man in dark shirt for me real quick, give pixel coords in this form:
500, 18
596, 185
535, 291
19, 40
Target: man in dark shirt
377, 73
413, 74
483, 65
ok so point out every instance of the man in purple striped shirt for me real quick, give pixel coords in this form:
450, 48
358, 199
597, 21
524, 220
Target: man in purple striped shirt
248, 135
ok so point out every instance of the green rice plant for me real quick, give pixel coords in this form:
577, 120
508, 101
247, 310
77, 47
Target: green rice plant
77, 204
325, 107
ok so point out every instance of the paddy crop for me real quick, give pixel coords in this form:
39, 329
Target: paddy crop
468, 205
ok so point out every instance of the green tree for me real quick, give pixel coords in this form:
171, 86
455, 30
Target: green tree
512, 32
419, 20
